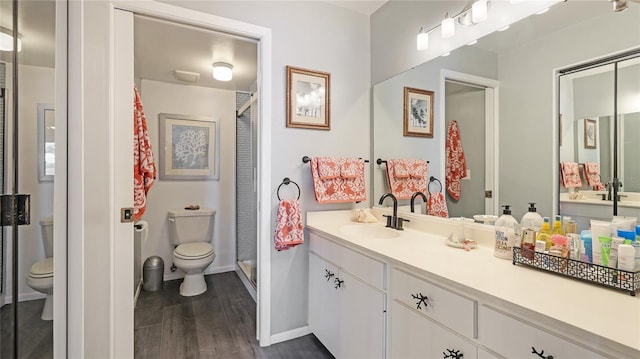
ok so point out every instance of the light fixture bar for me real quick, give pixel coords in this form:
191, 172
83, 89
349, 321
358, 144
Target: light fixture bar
448, 26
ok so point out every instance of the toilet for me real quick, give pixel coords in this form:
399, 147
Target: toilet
40, 277
191, 231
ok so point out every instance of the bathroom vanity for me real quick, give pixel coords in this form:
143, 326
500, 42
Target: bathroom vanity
376, 292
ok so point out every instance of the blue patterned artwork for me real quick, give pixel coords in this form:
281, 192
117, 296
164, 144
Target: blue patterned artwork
190, 147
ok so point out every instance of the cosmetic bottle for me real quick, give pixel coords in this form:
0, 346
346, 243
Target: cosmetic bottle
557, 226
531, 219
545, 233
505, 233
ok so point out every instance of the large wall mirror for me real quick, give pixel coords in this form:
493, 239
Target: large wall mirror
520, 167
599, 107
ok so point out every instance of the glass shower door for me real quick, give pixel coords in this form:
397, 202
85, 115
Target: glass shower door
27, 145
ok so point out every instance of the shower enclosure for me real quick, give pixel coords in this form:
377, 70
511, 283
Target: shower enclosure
246, 188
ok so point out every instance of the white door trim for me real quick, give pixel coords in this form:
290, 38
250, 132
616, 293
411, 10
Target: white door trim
492, 120
118, 288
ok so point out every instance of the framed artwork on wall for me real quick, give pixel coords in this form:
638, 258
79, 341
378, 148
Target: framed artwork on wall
189, 148
308, 99
418, 112
590, 133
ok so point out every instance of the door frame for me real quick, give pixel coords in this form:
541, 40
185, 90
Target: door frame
91, 24
491, 130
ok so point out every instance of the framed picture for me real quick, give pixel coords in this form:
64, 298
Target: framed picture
590, 133
46, 142
189, 148
418, 112
308, 99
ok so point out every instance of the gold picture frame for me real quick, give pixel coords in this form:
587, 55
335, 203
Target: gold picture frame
418, 112
308, 99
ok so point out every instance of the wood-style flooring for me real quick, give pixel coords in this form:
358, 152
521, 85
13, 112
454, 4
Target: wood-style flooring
219, 323
35, 336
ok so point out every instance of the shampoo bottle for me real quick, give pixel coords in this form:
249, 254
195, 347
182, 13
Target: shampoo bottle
545, 233
557, 226
532, 219
505, 230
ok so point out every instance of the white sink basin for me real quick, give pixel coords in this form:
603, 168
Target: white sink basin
369, 231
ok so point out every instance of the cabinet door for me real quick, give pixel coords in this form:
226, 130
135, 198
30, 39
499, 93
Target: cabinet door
513, 338
412, 335
362, 316
323, 302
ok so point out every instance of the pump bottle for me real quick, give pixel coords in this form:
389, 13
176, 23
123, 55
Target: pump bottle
505, 231
532, 219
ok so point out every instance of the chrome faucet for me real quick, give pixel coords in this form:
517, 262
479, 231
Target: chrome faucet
413, 198
393, 221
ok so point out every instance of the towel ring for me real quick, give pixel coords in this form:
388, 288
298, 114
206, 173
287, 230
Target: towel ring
286, 181
432, 179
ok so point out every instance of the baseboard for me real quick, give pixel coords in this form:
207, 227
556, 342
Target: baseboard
290, 334
25, 297
178, 274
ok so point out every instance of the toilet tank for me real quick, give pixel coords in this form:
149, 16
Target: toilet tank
46, 231
187, 226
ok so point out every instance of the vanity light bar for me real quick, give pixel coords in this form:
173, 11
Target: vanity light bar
478, 11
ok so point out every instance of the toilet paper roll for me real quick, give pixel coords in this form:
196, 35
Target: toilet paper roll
141, 229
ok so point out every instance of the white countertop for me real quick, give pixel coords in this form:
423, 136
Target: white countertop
611, 314
594, 198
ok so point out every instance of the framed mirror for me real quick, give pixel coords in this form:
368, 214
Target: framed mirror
46, 142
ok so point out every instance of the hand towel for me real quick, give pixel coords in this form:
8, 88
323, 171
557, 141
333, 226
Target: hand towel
347, 186
592, 175
406, 176
289, 230
437, 205
570, 175
456, 165
144, 167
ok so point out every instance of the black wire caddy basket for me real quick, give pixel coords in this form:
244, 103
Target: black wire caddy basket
592, 273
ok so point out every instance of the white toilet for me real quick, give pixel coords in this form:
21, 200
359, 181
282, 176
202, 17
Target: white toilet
191, 231
40, 276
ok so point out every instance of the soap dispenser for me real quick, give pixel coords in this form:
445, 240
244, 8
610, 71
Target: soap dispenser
506, 228
532, 219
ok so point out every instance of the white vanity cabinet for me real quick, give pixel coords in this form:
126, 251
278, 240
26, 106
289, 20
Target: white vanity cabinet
347, 308
429, 321
512, 337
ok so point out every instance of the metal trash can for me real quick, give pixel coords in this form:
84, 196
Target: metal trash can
152, 274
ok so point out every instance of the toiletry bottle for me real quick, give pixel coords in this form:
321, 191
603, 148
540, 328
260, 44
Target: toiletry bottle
586, 238
532, 219
528, 242
545, 233
569, 225
505, 231
557, 226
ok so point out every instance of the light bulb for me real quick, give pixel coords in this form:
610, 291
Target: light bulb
222, 71
448, 27
479, 11
422, 41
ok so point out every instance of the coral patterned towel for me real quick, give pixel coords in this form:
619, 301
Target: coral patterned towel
289, 230
406, 176
570, 175
592, 175
338, 180
144, 167
437, 205
456, 165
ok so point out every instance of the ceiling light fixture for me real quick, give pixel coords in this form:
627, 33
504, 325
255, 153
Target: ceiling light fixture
422, 41
448, 26
6, 40
222, 71
479, 11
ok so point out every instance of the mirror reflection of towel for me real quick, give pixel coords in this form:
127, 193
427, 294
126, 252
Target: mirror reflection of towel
456, 165
570, 175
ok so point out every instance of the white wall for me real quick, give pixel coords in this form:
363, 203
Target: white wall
319, 36
36, 85
160, 97
526, 112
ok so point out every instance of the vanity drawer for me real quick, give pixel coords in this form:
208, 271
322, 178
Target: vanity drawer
451, 309
513, 338
359, 265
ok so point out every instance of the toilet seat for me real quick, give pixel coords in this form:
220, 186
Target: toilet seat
42, 269
193, 251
